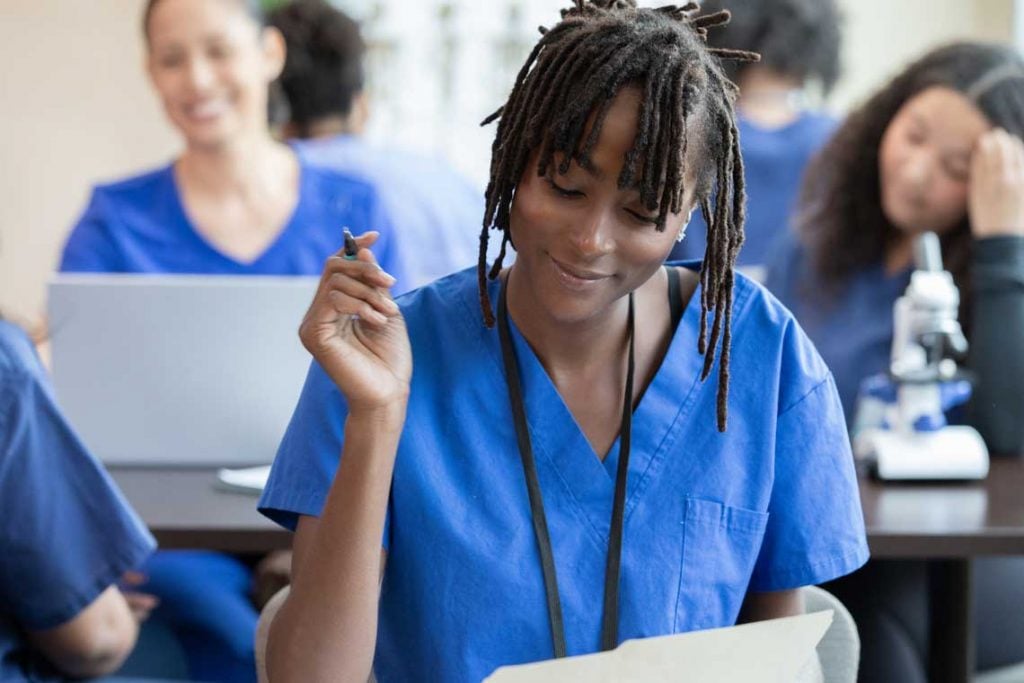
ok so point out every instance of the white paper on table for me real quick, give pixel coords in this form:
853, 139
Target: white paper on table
771, 651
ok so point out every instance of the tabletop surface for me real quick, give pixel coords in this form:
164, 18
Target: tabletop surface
184, 509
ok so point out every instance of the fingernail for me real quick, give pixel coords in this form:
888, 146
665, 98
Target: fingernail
390, 278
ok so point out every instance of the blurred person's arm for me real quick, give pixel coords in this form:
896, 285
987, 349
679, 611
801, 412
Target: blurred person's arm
95, 642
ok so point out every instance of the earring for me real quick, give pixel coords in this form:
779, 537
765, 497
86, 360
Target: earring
682, 230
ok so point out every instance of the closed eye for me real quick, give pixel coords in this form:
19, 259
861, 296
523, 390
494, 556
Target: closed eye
562, 191
642, 218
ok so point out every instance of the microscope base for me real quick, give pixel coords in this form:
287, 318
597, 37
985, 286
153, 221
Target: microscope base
954, 453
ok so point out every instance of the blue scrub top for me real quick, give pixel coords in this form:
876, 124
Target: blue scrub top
851, 326
774, 162
436, 210
66, 532
139, 225
772, 504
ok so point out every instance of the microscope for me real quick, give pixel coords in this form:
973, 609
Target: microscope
901, 427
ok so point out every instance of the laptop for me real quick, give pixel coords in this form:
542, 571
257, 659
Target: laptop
180, 369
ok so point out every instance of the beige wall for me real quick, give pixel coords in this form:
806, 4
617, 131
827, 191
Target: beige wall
76, 108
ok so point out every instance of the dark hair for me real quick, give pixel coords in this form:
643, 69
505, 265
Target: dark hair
323, 71
840, 217
800, 39
252, 7
573, 73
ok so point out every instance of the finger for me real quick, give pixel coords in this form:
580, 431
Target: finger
346, 305
131, 578
359, 290
363, 269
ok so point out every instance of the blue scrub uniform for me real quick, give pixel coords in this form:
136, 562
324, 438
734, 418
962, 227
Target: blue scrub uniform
139, 225
772, 504
436, 209
66, 532
773, 169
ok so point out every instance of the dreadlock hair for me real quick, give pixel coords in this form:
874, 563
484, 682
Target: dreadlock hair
839, 216
575, 71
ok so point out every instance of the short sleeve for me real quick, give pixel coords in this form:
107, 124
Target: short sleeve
90, 247
815, 527
309, 454
67, 532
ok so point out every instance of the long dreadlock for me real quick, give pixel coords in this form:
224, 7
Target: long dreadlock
574, 72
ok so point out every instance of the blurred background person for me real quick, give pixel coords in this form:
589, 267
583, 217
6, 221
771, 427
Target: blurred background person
67, 538
435, 211
938, 149
799, 42
234, 202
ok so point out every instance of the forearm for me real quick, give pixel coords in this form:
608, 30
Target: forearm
997, 350
326, 630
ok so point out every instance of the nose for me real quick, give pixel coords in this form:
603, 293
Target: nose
917, 169
593, 236
199, 73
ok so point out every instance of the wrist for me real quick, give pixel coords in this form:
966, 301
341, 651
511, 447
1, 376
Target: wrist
389, 413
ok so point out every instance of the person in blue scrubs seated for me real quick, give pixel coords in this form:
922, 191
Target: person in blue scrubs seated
509, 465
235, 202
67, 538
323, 80
799, 42
936, 149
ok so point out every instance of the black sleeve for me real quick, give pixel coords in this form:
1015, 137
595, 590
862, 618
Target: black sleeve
997, 343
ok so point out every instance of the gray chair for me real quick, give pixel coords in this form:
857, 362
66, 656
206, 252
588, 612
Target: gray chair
839, 649
263, 631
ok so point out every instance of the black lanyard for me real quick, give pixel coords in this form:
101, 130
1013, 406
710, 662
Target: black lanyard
610, 618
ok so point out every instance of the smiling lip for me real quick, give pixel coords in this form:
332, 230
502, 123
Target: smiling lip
576, 277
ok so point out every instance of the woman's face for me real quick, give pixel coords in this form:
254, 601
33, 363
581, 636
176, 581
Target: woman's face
211, 64
581, 241
924, 160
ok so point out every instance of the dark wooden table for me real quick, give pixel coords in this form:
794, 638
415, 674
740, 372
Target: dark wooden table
183, 508
948, 524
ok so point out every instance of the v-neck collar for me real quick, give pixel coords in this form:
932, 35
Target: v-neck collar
283, 236
560, 443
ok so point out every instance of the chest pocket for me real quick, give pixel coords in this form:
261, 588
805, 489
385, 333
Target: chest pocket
720, 547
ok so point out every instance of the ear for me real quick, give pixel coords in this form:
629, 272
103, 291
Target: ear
274, 51
360, 113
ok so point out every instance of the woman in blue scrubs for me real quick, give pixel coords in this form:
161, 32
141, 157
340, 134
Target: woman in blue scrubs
465, 497
234, 202
937, 149
67, 537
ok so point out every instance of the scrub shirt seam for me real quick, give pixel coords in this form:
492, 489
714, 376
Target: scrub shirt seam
98, 583
808, 393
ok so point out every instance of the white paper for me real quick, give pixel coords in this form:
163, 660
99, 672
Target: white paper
250, 480
772, 651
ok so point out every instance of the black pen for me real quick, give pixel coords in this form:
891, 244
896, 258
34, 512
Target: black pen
351, 248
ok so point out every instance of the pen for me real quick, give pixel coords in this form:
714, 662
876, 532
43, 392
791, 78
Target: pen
351, 248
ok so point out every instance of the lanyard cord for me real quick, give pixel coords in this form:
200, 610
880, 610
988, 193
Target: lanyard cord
610, 616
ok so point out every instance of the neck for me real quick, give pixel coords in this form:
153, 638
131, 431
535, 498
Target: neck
567, 347
247, 169
330, 126
769, 99
899, 255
